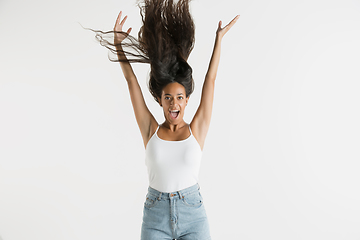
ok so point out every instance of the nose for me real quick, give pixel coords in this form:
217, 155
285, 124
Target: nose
173, 101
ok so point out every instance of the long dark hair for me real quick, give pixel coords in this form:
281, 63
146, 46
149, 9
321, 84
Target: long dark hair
165, 41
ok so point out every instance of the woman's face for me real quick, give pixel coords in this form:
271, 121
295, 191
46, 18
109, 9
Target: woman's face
173, 101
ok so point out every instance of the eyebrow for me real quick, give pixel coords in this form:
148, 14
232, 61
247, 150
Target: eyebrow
170, 94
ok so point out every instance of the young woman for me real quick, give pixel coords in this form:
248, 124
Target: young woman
173, 207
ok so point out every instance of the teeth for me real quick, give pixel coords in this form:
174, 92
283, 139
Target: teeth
174, 111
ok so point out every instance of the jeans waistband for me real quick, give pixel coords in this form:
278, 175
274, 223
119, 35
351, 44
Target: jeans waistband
177, 194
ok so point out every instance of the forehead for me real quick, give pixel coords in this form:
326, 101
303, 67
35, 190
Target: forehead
173, 88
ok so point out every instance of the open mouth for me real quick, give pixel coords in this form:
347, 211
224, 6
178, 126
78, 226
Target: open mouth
174, 114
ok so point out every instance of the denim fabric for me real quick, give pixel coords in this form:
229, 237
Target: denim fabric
178, 215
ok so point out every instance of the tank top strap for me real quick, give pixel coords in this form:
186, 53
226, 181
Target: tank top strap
155, 134
190, 130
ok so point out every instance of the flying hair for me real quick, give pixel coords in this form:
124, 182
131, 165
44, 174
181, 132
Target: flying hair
164, 41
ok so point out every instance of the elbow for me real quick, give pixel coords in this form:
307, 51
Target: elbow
210, 78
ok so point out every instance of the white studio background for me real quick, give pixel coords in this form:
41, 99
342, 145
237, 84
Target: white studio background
281, 159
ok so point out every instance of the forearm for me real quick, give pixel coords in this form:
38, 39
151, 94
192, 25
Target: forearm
125, 65
215, 58
214, 61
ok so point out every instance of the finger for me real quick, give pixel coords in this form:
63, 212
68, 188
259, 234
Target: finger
123, 21
129, 30
118, 19
232, 22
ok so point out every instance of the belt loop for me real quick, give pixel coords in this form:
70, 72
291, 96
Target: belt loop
180, 195
159, 198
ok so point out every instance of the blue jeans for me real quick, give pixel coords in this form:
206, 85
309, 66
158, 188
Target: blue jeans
178, 215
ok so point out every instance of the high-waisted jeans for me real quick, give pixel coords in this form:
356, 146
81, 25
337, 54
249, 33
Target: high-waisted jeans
178, 215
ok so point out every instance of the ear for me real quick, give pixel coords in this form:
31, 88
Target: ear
159, 100
187, 99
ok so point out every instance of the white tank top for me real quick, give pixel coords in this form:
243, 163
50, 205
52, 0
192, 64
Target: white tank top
172, 165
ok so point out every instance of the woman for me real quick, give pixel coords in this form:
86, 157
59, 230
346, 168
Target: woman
173, 208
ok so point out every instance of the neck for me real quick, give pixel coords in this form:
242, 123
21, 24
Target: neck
174, 127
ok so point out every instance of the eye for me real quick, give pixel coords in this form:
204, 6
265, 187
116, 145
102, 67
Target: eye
180, 97
167, 98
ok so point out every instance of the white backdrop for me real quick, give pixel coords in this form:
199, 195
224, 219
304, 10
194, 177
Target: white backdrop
281, 159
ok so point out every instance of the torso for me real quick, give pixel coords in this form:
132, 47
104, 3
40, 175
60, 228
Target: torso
173, 164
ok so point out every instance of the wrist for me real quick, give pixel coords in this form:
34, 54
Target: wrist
218, 37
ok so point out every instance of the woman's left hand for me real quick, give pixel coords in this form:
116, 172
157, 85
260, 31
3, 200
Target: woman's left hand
220, 32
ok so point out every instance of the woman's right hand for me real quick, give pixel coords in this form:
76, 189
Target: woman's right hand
119, 37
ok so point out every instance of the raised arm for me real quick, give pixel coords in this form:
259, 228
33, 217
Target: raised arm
118, 38
201, 121
215, 58
144, 118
